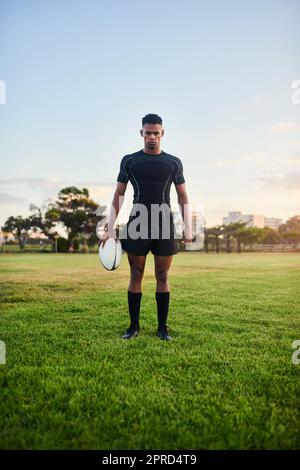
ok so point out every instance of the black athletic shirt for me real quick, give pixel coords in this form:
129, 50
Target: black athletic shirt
151, 176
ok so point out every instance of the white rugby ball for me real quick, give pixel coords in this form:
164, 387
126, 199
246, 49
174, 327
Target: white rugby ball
110, 254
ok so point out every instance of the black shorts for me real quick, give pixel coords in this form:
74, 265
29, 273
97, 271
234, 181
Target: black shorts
139, 247
159, 245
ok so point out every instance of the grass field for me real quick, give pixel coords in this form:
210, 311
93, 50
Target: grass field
225, 382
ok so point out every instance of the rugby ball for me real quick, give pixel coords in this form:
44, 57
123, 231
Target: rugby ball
110, 254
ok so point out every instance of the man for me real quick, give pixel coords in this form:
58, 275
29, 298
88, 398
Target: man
151, 171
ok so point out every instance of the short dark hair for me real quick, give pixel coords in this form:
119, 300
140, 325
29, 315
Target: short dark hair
151, 119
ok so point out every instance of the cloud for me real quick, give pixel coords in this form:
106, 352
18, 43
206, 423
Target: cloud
255, 158
44, 186
95, 183
51, 185
287, 181
41, 190
99, 192
38, 182
293, 160
285, 127
8, 199
259, 160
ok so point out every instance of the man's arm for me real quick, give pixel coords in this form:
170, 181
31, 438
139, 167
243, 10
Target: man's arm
114, 211
185, 210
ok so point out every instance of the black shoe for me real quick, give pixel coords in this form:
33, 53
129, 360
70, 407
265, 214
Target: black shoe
163, 333
132, 332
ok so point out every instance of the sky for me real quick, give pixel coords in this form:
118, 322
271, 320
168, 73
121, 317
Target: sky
76, 78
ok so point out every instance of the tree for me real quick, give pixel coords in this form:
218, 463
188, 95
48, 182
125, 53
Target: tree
206, 239
77, 211
229, 231
50, 228
215, 233
36, 219
292, 237
240, 233
19, 227
292, 225
269, 235
250, 235
22, 227
233, 231
74, 212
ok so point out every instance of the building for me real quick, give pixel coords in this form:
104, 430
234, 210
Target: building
252, 220
273, 222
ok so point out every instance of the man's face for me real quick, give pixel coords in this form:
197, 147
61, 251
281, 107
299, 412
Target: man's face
152, 134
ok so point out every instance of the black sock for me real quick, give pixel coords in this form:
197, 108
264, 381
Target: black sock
134, 302
162, 301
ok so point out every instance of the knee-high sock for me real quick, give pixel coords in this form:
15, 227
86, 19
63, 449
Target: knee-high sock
134, 303
162, 301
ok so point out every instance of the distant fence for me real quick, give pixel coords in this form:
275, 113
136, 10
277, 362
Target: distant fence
257, 247
276, 248
14, 248
262, 248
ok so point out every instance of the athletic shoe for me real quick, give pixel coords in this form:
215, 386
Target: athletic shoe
163, 333
132, 332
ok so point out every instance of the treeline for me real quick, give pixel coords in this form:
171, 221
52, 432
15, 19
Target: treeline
73, 212
76, 214
236, 236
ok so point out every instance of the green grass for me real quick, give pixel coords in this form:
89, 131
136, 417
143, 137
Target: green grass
225, 382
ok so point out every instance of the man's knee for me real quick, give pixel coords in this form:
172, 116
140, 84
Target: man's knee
161, 275
137, 273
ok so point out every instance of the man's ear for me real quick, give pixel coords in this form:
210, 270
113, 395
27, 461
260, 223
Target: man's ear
141, 132
162, 132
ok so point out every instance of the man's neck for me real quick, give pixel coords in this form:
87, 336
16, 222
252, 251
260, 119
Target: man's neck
152, 152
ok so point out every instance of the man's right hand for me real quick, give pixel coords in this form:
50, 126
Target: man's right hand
108, 233
103, 239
